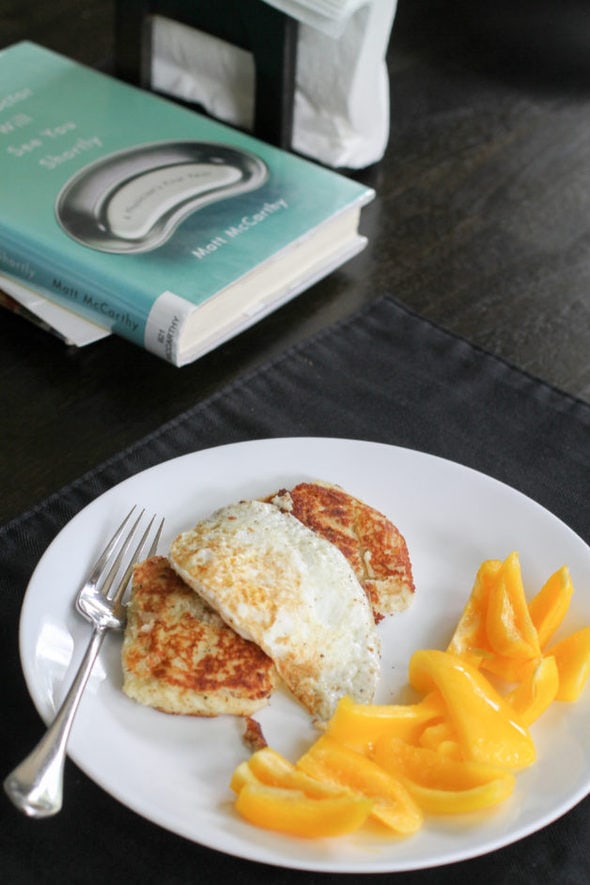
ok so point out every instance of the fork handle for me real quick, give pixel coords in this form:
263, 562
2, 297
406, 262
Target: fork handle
36, 785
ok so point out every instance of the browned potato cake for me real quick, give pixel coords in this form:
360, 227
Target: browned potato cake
180, 657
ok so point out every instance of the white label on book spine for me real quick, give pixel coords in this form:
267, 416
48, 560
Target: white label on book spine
165, 323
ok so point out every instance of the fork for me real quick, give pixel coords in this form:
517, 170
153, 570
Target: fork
35, 786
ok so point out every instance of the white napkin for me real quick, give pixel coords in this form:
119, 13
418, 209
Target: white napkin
329, 16
341, 113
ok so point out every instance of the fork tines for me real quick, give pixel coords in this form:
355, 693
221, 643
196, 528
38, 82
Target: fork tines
105, 581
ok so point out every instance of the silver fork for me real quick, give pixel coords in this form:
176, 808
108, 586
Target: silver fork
35, 786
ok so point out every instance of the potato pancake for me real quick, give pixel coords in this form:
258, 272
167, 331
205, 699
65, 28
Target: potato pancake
180, 657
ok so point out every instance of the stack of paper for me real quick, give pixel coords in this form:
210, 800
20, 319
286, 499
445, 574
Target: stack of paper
65, 324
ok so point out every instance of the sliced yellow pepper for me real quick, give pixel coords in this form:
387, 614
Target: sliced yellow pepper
510, 669
470, 637
532, 696
441, 785
509, 626
392, 804
242, 776
360, 725
549, 607
572, 656
449, 753
292, 812
270, 768
486, 726
442, 738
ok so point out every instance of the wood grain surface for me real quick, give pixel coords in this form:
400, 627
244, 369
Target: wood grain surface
481, 224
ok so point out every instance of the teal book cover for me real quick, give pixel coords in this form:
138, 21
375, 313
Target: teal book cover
173, 230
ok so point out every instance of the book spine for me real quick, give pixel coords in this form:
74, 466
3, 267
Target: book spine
158, 331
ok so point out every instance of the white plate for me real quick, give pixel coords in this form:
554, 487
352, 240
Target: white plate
175, 770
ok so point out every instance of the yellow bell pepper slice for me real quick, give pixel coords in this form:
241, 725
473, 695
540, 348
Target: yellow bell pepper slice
549, 607
392, 804
271, 768
294, 813
441, 785
242, 776
360, 725
486, 726
470, 637
442, 738
509, 626
510, 669
532, 697
572, 656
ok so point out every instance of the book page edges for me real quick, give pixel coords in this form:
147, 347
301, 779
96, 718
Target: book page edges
188, 332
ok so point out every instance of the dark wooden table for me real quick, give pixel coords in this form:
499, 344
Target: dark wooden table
481, 224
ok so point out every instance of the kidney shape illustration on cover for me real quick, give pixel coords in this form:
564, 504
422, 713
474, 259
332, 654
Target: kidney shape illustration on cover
133, 200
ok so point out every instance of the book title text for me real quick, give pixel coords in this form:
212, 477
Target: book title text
51, 145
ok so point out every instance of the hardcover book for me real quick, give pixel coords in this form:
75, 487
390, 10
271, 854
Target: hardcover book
170, 229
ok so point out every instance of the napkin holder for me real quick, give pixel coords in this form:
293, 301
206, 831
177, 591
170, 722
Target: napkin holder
326, 91
249, 25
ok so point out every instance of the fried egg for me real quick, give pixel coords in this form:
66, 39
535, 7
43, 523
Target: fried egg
374, 546
290, 591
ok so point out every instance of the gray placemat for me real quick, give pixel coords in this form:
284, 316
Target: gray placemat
383, 375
